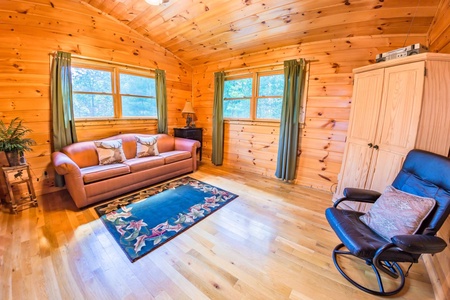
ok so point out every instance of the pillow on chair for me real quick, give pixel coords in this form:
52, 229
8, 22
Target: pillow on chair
146, 146
397, 213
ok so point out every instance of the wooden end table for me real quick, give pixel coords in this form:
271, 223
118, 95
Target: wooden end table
16, 176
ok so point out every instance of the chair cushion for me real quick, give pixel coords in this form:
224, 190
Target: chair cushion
397, 213
359, 239
146, 146
110, 152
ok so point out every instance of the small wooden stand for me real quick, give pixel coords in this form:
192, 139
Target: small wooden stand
192, 133
15, 176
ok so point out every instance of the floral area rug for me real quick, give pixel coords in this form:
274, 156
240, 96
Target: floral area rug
144, 220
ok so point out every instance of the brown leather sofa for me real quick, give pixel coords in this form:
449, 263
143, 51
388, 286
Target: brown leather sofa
89, 182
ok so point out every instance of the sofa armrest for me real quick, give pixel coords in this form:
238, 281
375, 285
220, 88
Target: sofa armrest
72, 176
64, 165
188, 145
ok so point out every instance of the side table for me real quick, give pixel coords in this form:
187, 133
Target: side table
14, 177
192, 133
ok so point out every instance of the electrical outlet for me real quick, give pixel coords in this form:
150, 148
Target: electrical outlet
48, 182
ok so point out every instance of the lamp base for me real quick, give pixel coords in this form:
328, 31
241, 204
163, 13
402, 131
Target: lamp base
188, 120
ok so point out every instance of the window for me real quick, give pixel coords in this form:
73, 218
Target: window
92, 93
258, 96
237, 97
138, 95
270, 97
112, 92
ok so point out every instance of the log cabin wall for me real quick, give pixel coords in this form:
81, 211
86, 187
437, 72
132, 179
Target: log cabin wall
438, 265
30, 30
252, 146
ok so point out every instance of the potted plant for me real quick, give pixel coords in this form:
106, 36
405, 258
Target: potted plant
13, 141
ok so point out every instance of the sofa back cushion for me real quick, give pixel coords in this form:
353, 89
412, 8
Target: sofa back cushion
84, 154
165, 142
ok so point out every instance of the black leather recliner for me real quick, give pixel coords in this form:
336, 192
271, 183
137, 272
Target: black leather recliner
424, 174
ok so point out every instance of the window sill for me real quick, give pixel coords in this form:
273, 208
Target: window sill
252, 122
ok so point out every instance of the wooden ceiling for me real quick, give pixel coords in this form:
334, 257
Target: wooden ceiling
201, 31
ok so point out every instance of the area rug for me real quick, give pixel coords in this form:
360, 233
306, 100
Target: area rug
142, 221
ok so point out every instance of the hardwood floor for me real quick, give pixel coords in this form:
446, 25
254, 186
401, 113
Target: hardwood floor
272, 242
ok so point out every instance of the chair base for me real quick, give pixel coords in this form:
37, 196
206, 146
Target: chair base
391, 268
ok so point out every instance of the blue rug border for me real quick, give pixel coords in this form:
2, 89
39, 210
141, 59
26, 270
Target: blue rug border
130, 198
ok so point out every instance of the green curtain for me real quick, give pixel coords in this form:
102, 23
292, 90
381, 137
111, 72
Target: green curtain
217, 136
161, 100
63, 119
294, 75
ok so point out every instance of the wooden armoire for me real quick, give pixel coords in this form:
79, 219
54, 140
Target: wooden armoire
399, 105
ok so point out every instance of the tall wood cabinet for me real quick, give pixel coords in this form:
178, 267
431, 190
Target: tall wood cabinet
397, 106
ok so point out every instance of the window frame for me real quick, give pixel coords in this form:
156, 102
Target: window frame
116, 70
255, 76
237, 77
259, 75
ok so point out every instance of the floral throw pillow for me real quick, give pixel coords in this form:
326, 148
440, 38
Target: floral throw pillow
110, 152
397, 213
146, 146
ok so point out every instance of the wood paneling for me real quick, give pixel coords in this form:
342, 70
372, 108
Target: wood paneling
327, 111
201, 32
31, 30
439, 33
438, 265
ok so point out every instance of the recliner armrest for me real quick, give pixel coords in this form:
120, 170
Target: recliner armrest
358, 195
361, 194
419, 243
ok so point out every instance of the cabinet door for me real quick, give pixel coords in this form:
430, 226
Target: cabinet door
367, 94
399, 120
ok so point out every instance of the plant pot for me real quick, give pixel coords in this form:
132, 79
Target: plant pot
15, 158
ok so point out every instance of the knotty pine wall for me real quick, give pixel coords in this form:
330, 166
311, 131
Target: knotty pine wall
252, 146
30, 30
439, 33
438, 265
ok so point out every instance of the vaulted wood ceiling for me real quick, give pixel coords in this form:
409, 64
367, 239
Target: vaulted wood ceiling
200, 31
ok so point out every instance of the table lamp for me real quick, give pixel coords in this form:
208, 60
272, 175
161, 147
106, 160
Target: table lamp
188, 112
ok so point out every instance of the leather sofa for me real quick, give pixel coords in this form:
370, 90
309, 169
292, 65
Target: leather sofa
89, 182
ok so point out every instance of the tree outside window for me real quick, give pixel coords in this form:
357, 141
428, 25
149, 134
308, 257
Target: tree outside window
112, 92
256, 97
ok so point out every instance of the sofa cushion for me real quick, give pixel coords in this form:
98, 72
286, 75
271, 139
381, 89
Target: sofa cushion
110, 152
146, 146
173, 156
144, 163
97, 173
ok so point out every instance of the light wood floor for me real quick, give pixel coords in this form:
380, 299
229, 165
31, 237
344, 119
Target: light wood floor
273, 242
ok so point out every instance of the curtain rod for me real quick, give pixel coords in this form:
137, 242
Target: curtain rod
264, 66
107, 61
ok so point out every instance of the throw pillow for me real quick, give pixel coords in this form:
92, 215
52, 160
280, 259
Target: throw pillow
110, 152
397, 212
146, 146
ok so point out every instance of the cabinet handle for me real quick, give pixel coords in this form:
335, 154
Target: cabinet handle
376, 147
370, 145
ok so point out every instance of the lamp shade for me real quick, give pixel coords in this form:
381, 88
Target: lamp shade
188, 109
